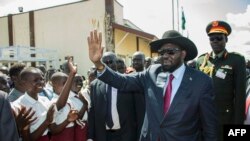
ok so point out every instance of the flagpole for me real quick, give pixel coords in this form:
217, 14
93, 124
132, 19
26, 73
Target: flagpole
182, 20
178, 23
173, 13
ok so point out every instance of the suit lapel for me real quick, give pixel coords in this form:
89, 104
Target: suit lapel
102, 89
183, 91
119, 98
160, 79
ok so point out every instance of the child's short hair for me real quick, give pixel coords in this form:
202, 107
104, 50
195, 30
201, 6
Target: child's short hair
57, 76
16, 69
25, 73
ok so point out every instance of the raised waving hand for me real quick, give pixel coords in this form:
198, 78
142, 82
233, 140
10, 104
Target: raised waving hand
95, 49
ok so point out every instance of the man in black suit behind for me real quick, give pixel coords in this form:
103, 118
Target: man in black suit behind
8, 129
111, 117
179, 99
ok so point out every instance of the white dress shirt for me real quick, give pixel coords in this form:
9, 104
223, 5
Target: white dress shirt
114, 111
178, 76
77, 104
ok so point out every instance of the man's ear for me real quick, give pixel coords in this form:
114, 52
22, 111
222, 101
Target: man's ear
183, 54
226, 38
24, 83
14, 78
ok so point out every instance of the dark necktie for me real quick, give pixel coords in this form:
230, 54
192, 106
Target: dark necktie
167, 96
109, 119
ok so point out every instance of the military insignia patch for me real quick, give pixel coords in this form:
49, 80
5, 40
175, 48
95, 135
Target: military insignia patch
221, 74
215, 23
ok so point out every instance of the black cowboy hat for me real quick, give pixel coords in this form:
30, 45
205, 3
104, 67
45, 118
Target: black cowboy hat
175, 37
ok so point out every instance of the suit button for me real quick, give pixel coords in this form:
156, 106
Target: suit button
227, 110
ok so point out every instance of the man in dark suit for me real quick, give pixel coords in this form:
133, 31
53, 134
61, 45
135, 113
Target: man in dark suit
8, 129
179, 100
228, 71
112, 112
138, 62
148, 62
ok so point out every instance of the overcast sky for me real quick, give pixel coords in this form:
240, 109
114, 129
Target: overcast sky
155, 17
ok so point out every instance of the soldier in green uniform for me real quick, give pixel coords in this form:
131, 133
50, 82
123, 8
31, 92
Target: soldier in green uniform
228, 71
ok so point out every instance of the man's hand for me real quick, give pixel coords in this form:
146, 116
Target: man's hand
95, 48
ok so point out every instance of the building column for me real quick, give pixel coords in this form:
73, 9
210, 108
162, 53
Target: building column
10, 29
32, 29
109, 19
32, 34
137, 43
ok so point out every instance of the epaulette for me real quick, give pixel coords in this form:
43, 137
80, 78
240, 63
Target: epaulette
203, 64
236, 53
204, 54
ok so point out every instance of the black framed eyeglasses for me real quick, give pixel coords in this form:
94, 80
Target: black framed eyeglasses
217, 38
169, 51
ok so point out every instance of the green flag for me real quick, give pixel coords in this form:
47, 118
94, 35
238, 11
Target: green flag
183, 19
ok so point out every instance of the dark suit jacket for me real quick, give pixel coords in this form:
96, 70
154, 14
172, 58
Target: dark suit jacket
8, 129
97, 113
140, 111
191, 115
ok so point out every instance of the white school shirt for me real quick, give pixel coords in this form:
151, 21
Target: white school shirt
61, 115
114, 111
86, 93
77, 104
40, 107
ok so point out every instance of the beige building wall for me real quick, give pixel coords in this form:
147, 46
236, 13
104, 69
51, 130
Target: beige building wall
4, 38
125, 45
21, 30
118, 11
65, 28
144, 47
